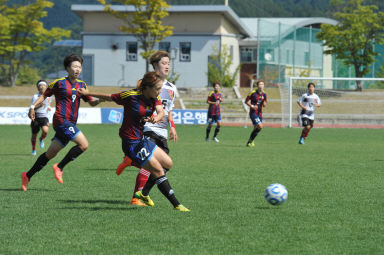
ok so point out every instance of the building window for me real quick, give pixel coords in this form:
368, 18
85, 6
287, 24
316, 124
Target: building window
165, 46
248, 54
185, 52
131, 51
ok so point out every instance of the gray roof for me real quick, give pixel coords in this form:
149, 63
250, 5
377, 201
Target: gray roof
269, 26
226, 10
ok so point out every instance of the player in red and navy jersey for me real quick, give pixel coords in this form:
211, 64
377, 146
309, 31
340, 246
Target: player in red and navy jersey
214, 116
156, 132
67, 99
139, 106
256, 100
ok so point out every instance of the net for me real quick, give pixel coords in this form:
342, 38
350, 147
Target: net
342, 105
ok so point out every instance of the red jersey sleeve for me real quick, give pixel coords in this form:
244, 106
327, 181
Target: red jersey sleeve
158, 101
49, 91
117, 98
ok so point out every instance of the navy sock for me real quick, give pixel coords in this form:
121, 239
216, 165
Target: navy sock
217, 130
166, 189
208, 131
72, 154
41, 161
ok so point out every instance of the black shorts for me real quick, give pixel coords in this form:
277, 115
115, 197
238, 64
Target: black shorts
307, 122
38, 123
158, 140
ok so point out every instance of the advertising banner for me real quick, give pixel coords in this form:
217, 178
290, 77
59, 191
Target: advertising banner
19, 115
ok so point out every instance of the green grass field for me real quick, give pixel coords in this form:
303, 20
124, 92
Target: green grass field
335, 203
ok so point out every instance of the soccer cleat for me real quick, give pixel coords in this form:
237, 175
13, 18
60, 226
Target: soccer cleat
251, 144
215, 139
182, 208
25, 181
146, 199
207, 139
301, 141
136, 201
58, 173
33, 152
126, 162
42, 144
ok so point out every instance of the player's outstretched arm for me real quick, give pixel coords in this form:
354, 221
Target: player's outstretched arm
102, 96
160, 114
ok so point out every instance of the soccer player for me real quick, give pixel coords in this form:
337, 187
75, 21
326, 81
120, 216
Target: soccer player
139, 106
214, 99
156, 132
256, 100
64, 119
41, 120
307, 103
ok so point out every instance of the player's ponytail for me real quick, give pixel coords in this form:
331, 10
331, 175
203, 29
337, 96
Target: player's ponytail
149, 80
138, 84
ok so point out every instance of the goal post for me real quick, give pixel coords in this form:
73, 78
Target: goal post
342, 103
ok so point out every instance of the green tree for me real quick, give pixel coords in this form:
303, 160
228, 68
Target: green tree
219, 66
23, 34
145, 23
352, 40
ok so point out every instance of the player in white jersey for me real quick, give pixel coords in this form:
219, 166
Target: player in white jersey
41, 120
308, 102
158, 132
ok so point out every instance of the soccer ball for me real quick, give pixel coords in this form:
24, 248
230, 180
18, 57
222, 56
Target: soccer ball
276, 194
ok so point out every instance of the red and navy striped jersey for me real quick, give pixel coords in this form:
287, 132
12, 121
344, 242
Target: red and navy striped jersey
67, 99
214, 109
136, 107
256, 99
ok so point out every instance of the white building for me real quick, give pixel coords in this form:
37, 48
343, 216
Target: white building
113, 58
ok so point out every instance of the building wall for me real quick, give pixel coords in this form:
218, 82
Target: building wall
110, 67
199, 23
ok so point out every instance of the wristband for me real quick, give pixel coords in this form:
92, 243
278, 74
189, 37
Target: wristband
172, 124
32, 107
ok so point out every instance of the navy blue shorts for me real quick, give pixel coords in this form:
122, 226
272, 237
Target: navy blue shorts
66, 132
256, 120
140, 151
212, 119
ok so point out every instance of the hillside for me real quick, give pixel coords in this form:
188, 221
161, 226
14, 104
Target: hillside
62, 16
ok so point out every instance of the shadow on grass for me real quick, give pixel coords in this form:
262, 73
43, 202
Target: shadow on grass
130, 169
111, 202
19, 189
266, 208
15, 154
100, 208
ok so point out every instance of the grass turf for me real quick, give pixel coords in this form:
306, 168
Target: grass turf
334, 205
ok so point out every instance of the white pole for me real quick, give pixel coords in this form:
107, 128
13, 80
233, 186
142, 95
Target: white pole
290, 103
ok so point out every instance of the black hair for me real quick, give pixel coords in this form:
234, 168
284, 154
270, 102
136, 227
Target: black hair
71, 58
311, 83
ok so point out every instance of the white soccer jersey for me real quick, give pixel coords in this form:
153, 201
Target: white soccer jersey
167, 96
309, 102
41, 112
